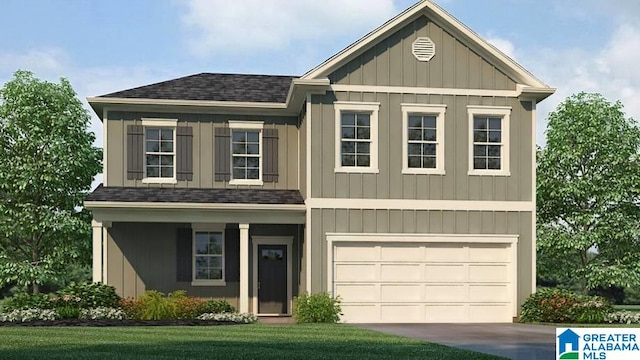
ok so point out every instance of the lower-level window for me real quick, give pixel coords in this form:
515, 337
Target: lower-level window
208, 252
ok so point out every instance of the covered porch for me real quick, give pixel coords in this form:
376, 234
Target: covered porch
241, 245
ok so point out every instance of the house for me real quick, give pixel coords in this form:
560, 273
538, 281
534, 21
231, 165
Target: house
399, 174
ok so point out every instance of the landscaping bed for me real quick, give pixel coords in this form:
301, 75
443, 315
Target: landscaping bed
125, 322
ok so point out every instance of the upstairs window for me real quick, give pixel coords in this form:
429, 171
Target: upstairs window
489, 145
246, 152
356, 137
160, 153
423, 139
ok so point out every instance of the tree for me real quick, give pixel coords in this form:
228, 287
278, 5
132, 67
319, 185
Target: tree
47, 164
587, 195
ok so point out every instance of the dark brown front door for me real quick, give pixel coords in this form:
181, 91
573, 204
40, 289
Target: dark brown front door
272, 279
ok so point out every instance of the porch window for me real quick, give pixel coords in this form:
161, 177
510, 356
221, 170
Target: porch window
208, 253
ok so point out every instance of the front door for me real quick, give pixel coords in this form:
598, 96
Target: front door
272, 279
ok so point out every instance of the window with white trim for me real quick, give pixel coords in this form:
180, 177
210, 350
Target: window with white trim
423, 138
208, 256
159, 150
246, 152
356, 136
489, 140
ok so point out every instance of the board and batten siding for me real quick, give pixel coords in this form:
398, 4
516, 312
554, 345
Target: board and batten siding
421, 222
391, 63
203, 128
390, 183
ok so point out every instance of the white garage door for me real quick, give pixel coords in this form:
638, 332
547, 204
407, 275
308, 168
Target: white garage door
424, 282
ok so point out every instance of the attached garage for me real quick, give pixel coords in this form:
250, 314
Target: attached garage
423, 278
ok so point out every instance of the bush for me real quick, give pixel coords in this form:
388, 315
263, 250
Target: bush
23, 301
317, 308
102, 313
155, 306
132, 308
231, 317
92, 295
563, 306
25, 315
624, 317
218, 307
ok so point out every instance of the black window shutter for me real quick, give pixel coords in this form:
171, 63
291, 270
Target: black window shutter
232, 255
184, 153
270, 155
135, 152
222, 154
184, 255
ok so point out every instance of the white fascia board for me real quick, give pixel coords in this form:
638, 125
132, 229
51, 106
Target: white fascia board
189, 206
205, 103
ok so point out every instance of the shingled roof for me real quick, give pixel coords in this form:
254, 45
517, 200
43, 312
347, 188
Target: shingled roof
214, 87
195, 195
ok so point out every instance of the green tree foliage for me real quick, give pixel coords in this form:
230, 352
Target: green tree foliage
588, 210
47, 163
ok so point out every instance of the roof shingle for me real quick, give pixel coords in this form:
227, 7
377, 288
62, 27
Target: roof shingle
214, 87
195, 195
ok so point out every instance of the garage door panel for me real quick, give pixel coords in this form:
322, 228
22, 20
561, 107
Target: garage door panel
453, 313
489, 273
402, 313
408, 252
446, 253
355, 272
356, 252
446, 293
424, 282
489, 253
488, 293
400, 293
357, 292
446, 273
401, 272
483, 313
367, 313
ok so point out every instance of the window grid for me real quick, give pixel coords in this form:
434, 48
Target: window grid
160, 152
487, 143
422, 141
246, 154
208, 255
356, 139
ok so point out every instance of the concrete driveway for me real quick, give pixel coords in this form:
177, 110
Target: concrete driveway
513, 341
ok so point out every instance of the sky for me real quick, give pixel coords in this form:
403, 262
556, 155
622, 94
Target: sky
105, 46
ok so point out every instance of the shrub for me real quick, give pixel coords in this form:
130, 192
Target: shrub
92, 295
624, 317
132, 308
231, 317
218, 307
23, 301
563, 306
102, 313
316, 308
25, 315
155, 306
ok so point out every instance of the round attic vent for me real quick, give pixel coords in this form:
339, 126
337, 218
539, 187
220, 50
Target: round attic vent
423, 49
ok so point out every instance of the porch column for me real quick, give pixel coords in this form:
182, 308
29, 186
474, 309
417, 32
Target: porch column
244, 269
97, 250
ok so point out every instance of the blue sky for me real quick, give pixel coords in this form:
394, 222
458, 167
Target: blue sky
104, 46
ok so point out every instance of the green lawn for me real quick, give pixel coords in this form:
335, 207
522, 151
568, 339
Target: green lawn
627, 307
317, 341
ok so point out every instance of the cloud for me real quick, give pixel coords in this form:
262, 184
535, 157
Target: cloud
244, 26
504, 45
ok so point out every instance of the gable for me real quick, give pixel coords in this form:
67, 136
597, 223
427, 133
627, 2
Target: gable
391, 62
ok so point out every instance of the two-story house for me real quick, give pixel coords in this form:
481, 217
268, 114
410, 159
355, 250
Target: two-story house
399, 174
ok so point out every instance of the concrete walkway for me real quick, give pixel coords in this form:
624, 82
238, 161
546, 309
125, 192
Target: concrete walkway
513, 341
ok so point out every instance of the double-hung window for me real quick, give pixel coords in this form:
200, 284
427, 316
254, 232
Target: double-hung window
160, 150
208, 256
489, 140
356, 136
423, 139
246, 152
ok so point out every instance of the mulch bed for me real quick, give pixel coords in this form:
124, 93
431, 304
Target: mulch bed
102, 323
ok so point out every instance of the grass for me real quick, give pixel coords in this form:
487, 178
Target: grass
257, 341
634, 308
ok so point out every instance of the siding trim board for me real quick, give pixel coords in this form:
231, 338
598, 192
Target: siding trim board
406, 204
428, 91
